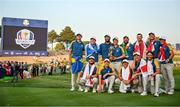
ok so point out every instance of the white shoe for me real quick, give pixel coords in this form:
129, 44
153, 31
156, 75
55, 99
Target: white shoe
170, 92
86, 90
143, 93
80, 89
72, 89
94, 90
156, 95
161, 91
122, 91
132, 91
103, 91
110, 91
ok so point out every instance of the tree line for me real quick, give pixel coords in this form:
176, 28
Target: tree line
66, 36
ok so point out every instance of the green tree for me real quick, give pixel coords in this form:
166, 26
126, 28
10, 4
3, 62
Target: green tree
52, 36
59, 46
67, 35
85, 42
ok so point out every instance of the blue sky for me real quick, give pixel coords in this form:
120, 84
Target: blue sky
100, 17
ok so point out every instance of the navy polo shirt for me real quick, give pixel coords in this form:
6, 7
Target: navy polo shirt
157, 45
105, 71
104, 50
116, 52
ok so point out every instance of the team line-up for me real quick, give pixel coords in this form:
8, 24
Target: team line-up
138, 67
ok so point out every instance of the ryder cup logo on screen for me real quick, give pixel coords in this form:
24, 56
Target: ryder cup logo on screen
25, 22
25, 38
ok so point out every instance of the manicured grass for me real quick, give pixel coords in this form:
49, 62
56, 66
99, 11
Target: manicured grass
55, 90
176, 58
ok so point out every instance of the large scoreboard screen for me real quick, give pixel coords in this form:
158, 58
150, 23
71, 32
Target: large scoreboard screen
26, 37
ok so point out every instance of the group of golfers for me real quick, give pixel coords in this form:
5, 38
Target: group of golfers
139, 67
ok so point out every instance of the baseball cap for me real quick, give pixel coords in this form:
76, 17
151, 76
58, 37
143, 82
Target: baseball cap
136, 53
91, 57
106, 60
125, 60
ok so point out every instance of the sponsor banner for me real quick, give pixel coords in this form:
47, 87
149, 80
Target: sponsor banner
24, 53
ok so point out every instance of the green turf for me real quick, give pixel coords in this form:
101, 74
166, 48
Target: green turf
54, 90
176, 58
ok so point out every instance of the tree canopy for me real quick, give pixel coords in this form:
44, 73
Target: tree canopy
52, 36
59, 46
67, 35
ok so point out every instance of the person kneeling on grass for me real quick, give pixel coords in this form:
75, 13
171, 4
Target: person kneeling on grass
140, 76
154, 75
124, 77
87, 78
106, 76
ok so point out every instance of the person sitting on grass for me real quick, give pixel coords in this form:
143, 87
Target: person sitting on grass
124, 77
87, 78
106, 76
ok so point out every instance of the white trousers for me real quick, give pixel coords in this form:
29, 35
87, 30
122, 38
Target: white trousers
84, 81
167, 72
154, 83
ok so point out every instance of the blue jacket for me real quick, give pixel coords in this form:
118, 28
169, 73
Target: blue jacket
92, 50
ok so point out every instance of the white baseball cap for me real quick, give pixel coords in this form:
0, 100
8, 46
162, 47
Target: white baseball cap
125, 60
91, 57
162, 38
106, 60
93, 37
115, 38
136, 53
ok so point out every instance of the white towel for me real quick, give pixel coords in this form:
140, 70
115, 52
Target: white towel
86, 70
126, 73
